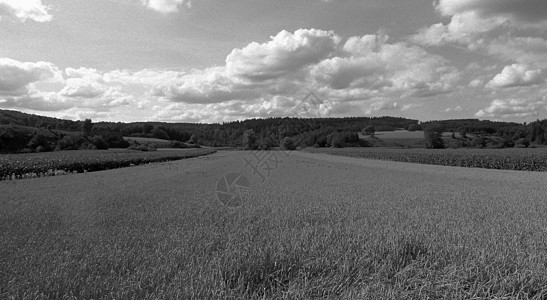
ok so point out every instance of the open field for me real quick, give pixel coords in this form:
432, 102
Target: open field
142, 140
396, 139
519, 159
31, 165
318, 226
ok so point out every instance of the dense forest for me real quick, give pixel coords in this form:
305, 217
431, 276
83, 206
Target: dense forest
26, 132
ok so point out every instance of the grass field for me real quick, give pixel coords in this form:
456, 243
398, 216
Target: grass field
396, 139
320, 226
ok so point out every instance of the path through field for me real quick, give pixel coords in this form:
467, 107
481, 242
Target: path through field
318, 225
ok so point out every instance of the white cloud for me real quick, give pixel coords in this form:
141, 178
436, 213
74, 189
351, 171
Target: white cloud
458, 108
16, 76
25, 9
514, 109
524, 50
285, 53
263, 80
166, 6
471, 21
516, 75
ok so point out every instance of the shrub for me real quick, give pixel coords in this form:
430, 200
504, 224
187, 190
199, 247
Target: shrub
433, 137
250, 140
287, 144
100, 143
70, 142
522, 143
178, 144
369, 130
413, 127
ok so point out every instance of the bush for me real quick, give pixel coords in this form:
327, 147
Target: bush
522, 143
39, 141
413, 127
100, 143
70, 142
287, 144
178, 144
250, 140
369, 130
433, 137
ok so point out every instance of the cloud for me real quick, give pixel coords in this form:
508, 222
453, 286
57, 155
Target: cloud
520, 12
516, 75
514, 109
16, 76
458, 108
524, 50
473, 21
23, 10
260, 80
285, 53
360, 68
166, 6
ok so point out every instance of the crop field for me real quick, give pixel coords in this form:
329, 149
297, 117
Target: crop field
318, 226
32, 165
533, 159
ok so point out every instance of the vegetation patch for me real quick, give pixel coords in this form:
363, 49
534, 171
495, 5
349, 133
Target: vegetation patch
534, 159
31, 165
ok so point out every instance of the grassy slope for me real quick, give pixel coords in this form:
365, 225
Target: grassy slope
319, 226
396, 139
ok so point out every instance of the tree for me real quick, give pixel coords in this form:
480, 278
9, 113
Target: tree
100, 143
250, 140
193, 139
413, 127
159, 133
433, 137
87, 127
369, 130
287, 144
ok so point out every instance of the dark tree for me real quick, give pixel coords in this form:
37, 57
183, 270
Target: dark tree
250, 140
87, 127
369, 130
433, 137
287, 144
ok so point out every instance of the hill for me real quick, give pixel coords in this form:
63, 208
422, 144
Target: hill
267, 133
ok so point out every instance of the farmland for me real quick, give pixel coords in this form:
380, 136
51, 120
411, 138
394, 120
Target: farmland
534, 159
17, 166
320, 226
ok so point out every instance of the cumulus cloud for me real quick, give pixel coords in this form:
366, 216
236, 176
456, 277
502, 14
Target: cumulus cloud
264, 80
25, 9
16, 76
285, 53
523, 11
359, 68
471, 21
516, 75
514, 108
166, 6
21, 87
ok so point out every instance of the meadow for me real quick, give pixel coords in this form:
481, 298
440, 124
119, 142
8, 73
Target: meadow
320, 226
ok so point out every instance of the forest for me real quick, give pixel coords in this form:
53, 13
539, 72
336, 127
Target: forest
22, 132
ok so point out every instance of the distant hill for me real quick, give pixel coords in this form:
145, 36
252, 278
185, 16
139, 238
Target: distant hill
264, 133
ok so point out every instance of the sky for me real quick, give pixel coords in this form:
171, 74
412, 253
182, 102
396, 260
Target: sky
214, 61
